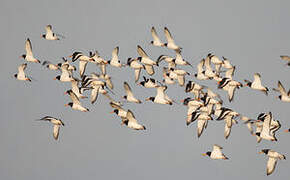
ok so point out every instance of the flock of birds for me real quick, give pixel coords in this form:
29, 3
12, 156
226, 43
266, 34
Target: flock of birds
203, 105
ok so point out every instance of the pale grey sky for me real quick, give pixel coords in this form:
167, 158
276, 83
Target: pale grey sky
252, 34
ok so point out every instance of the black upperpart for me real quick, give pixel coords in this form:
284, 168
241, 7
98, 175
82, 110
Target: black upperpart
265, 151
208, 153
43, 36
57, 77
23, 56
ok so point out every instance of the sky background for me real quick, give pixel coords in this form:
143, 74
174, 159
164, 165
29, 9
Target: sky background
93, 145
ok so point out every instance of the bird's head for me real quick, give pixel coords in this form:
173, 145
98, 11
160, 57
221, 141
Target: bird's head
56, 78
206, 154
23, 56
43, 36
15, 75
265, 151
150, 99
69, 104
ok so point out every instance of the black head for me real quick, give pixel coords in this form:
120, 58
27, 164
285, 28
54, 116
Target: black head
109, 61
171, 69
57, 78
43, 36
249, 84
151, 42
59, 64
280, 97
265, 151
195, 75
165, 44
70, 104
258, 134
142, 83
208, 153
151, 98
15, 75
139, 58
126, 122
23, 56
116, 111
125, 97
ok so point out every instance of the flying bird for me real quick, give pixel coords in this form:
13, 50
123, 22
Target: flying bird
273, 158
161, 97
283, 95
156, 41
21, 74
29, 55
115, 59
129, 94
131, 122
49, 35
148, 63
75, 104
56, 124
286, 58
170, 42
256, 84
133, 63
216, 153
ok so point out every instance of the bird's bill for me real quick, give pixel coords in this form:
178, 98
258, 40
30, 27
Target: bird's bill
147, 99
65, 93
70, 56
261, 152
204, 154
20, 57
66, 105
111, 112
245, 85
182, 100
287, 130
54, 78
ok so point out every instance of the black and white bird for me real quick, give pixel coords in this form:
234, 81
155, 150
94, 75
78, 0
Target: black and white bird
170, 42
56, 124
21, 74
66, 75
144, 58
29, 55
284, 96
131, 122
156, 41
50, 65
122, 113
230, 86
200, 75
273, 157
148, 83
161, 97
180, 61
257, 84
286, 58
216, 153
49, 35
129, 94
133, 63
75, 104
115, 59
269, 128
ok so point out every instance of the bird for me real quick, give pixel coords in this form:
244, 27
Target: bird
156, 41
133, 63
148, 83
49, 35
161, 97
226, 63
268, 131
122, 113
170, 61
216, 153
273, 157
230, 86
286, 58
76, 89
179, 74
166, 75
56, 124
29, 55
256, 84
170, 42
21, 74
129, 94
131, 122
216, 61
180, 61
202, 121
75, 104
66, 75
144, 58
115, 59
283, 95
200, 75
80, 56
50, 66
